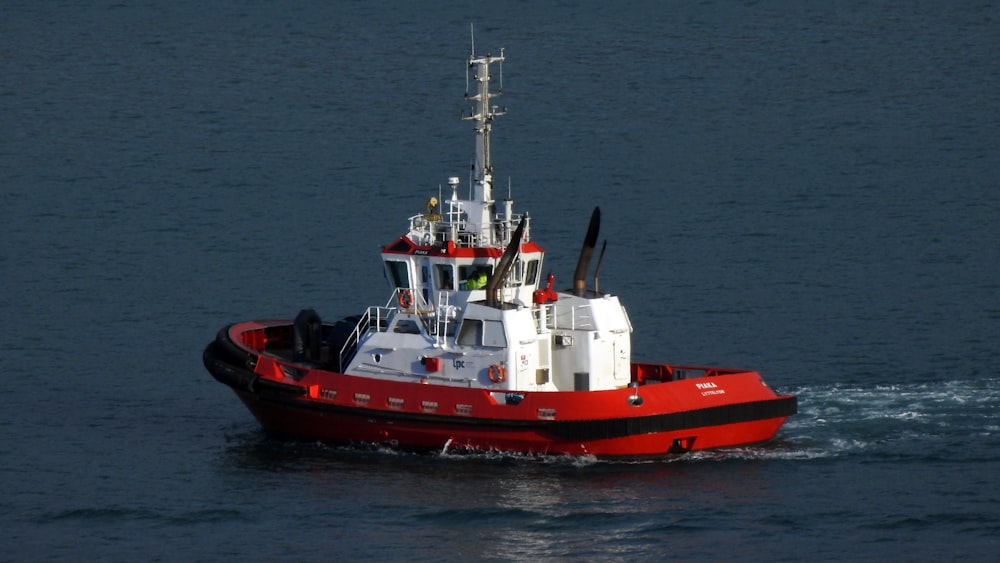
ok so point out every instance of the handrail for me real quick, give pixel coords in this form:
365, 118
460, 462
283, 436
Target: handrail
571, 317
351, 343
427, 231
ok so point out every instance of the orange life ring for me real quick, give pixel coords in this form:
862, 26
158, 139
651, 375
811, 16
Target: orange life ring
497, 373
405, 299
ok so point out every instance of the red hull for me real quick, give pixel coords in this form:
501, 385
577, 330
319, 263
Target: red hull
368, 428
720, 408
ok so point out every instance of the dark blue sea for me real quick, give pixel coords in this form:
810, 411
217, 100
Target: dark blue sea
809, 189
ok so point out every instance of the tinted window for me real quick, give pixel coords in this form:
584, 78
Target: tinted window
399, 274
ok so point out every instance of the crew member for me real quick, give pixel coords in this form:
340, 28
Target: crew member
477, 280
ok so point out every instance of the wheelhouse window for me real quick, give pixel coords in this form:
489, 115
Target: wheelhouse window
424, 279
527, 272
474, 276
399, 273
444, 276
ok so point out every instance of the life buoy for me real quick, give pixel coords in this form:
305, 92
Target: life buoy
497, 373
405, 299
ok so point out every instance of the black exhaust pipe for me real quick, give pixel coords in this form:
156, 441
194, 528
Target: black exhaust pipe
506, 261
589, 242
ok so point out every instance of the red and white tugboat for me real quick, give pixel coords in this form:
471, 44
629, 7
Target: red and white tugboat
475, 350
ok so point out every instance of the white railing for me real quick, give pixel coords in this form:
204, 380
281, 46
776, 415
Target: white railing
566, 317
429, 230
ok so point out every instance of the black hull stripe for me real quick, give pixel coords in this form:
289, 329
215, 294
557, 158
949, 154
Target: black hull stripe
583, 430
713, 416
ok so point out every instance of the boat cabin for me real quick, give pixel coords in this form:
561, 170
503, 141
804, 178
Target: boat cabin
467, 306
446, 259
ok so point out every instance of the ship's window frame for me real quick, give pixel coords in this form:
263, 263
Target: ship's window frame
424, 277
527, 271
493, 334
470, 333
465, 271
480, 332
524, 272
398, 272
516, 273
444, 276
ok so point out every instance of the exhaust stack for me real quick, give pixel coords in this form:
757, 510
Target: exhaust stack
503, 267
589, 242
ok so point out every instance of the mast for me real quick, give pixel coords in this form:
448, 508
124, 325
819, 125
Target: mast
482, 116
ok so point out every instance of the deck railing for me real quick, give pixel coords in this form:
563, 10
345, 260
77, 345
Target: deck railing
428, 230
378, 319
566, 317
